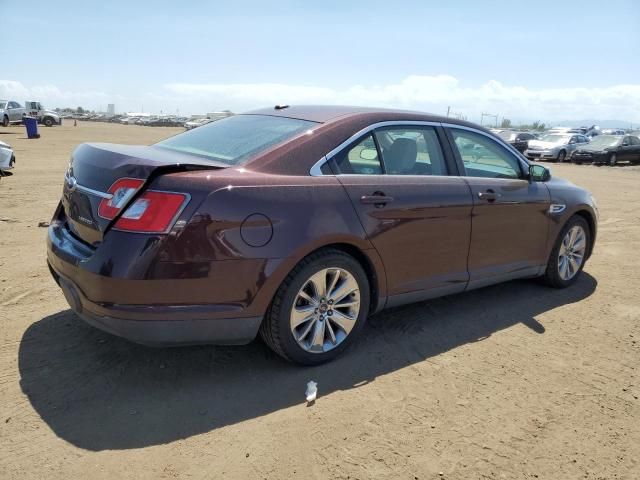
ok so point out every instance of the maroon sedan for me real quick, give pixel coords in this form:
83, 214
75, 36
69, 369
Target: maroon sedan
299, 222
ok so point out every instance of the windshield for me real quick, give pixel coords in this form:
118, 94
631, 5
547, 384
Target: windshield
554, 138
3, 105
604, 141
234, 139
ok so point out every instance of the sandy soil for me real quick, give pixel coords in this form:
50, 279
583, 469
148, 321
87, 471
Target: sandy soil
512, 381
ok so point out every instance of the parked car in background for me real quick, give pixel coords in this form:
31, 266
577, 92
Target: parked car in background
519, 140
609, 149
196, 123
48, 118
145, 120
164, 122
300, 222
554, 146
11, 112
613, 131
7, 158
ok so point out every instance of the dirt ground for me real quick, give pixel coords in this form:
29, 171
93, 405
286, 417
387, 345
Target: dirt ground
511, 381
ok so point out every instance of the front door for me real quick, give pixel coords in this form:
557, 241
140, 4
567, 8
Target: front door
510, 219
416, 216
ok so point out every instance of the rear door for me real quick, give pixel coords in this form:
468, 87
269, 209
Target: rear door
510, 213
415, 214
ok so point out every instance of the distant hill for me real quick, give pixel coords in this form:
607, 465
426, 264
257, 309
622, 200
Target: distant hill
591, 121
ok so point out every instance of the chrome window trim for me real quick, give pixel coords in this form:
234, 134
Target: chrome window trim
316, 171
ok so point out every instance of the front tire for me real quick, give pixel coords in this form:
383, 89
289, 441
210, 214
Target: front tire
48, 121
569, 253
5, 121
613, 160
561, 156
319, 309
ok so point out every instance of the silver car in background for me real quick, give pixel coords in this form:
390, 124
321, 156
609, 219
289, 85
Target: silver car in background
7, 158
554, 146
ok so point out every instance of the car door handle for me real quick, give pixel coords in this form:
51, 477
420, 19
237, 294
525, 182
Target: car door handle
377, 200
489, 195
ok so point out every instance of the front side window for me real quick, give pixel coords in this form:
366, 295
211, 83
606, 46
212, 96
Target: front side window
360, 158
483, 157
411, 151
233, 140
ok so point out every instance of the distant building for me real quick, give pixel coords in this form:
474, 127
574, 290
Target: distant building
111, 109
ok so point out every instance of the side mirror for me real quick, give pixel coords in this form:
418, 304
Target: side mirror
539, 173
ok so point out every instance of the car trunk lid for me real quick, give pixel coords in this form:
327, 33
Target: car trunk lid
95, 167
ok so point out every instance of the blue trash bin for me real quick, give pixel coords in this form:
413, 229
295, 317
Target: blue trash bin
32, 127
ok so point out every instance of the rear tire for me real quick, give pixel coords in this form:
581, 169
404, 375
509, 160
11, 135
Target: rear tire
554, 276
285, 340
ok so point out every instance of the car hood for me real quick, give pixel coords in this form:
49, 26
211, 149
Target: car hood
541, 144
594, 148
94, 167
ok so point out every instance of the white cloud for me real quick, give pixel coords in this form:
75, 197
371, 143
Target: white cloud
50, 95
420, 92
432, 93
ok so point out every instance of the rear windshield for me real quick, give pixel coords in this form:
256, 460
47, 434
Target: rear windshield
234, 139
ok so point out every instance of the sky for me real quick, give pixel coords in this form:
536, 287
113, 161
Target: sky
543, 60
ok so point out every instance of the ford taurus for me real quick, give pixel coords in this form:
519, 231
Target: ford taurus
300, 222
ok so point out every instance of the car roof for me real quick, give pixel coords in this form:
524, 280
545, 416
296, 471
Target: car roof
336, 124
329, 113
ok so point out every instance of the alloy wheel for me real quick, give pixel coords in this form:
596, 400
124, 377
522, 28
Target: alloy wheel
325, 310
571, 254
613, 160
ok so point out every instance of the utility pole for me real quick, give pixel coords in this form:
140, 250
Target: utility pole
448, 110
490, 115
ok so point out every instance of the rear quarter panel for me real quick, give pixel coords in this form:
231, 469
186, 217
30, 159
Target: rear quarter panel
260, 216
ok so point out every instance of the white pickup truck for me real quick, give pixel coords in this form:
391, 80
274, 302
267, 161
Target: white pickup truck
46, 117
11, 112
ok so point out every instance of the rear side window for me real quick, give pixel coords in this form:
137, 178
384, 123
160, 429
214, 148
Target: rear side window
360, 158
483, 157
411, 151
233, 140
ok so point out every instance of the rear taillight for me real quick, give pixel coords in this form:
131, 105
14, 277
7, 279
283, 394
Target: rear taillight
121, 192
152, 212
